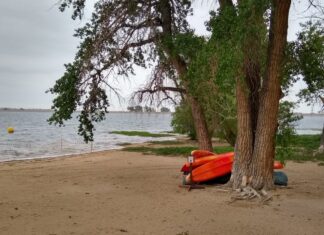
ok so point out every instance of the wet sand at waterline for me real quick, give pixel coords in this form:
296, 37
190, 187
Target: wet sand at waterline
116, 192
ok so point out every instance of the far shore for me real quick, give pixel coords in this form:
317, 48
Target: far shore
50, 110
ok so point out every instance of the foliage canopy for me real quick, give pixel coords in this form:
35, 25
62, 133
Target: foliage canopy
121, 35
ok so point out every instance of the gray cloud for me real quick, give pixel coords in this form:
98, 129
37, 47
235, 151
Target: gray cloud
36, 40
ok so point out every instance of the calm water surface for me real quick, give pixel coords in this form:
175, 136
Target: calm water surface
35, 138
310, 124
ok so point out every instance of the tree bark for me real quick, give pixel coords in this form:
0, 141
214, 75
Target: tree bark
204, 140
244, 139
253, 81
321, 147
264, 148
247, 99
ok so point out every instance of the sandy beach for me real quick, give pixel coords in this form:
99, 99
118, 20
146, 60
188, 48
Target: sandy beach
116, 192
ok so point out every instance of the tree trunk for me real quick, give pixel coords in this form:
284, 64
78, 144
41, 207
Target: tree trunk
321, 147
244, 139
264, 148
247, 99
253, 81
204, 140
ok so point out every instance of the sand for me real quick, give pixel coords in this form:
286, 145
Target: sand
116, 192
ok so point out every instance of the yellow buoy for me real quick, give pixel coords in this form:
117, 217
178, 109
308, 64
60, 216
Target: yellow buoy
10, 130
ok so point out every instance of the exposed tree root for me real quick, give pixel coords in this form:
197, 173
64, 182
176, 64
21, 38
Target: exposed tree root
249, 193
246, 192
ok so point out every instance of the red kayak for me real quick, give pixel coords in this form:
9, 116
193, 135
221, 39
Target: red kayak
211, 170
213, 166
205, 159
201, 153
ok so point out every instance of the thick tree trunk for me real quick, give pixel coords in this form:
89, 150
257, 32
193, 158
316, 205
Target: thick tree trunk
247, 99
244, 139
253, 80
247, 114
204, 140
264, 148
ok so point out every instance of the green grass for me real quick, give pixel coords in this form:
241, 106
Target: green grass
140, 133
173, 151
310, 142
140, 149
300, 155
165, 142
223, 149
303, 148
124, 144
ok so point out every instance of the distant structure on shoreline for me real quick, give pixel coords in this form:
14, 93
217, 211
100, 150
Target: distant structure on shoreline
24, 110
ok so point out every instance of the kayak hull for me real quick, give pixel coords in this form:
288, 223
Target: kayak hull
213, 166
216, 168
201, 153
203, 160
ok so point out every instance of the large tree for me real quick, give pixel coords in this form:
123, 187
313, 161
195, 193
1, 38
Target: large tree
126, 33
123, 34
258, 86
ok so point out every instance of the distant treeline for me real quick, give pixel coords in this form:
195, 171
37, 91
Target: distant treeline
24, 110
147, 109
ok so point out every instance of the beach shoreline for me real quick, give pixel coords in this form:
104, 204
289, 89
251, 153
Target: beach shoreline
118, 192
53, 157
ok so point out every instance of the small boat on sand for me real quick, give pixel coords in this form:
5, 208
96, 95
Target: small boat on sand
205, 159
208, 166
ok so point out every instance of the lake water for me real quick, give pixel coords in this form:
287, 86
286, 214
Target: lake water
310, 124
35, 138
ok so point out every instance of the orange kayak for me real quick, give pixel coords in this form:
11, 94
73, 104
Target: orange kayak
213, 169
203, 160
277, 165
201, 153
214, 166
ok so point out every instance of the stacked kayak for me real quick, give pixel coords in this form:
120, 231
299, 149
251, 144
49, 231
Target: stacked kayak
208, 166
203, 159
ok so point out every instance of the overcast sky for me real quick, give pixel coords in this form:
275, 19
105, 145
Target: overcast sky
36, 40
